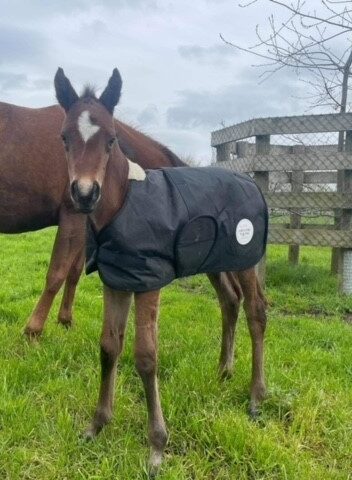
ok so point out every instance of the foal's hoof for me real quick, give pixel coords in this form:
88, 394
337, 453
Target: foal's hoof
88, 435
93, 430
225, 374
156, 458
225, 370
65, 322
153, 472
31, 333
254, 413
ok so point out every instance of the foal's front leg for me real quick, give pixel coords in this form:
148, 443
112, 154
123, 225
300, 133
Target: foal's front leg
147, 305
116, 308
69, 243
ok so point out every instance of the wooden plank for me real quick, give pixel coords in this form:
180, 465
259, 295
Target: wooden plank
334, 122
320, 177
308, 177
314, 237
304, 226
292, 162
310, 200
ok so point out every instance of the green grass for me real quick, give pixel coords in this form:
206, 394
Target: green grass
48, 390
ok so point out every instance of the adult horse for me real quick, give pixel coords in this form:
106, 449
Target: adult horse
100, 183
34, 193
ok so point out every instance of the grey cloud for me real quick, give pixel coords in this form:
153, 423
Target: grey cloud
39, 8
42, 84
12, 81
233, 103
149, 116
21, 45
215, 54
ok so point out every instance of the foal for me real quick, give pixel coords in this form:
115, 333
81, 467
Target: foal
99, 176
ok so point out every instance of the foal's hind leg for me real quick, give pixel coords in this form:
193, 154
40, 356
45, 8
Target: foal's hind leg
254, 306
116, 308
68, 244
229, 298
147, 305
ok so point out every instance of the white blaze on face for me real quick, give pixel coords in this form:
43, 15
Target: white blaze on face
85, 126
135, 171
85, 185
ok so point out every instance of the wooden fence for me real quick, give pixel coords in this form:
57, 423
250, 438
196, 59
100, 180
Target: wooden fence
315, 178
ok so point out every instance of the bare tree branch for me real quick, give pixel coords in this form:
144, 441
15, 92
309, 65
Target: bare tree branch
315, 44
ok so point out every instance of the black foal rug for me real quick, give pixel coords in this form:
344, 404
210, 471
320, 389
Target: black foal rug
179, 222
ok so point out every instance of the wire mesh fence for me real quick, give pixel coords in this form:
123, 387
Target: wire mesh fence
304, 167
315, 209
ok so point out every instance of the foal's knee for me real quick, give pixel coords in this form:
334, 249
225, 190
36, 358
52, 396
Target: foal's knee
260, 316
145, 362
256, 315
231, 302
75, 273
110, 348
54, 281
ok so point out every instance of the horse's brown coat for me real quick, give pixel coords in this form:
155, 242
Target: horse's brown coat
34, 192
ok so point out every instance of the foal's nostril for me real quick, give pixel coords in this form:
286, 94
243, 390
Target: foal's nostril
74, 189
95, 191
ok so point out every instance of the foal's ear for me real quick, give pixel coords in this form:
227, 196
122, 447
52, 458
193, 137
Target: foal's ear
111, 95
65, 93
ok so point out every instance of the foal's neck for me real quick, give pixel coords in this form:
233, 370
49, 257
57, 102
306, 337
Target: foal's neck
114, 189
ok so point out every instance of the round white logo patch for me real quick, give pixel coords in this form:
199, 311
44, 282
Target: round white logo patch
244, 231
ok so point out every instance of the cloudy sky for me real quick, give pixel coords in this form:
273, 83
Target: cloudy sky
180, 80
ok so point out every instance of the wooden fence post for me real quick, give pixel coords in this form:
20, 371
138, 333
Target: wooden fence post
262, 143
345, 256
336, 253
223, 152
295, 218
241, 149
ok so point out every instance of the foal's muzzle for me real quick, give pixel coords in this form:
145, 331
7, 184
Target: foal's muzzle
85, 196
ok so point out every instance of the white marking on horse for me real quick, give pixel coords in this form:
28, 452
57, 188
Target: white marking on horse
135, 171
85, 185
85, 126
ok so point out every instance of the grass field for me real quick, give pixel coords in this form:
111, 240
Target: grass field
48, 390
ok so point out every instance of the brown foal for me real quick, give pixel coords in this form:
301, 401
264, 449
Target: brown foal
99, 175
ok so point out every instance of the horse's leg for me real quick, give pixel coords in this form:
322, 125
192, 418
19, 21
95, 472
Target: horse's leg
254, 306
116, 308
147, 305
69, 242
65, 312
229, 298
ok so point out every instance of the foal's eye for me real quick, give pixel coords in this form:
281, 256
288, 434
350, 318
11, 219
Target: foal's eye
111, 143
64, 141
